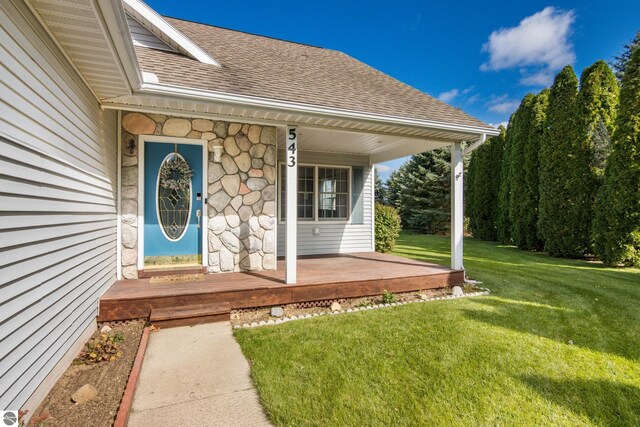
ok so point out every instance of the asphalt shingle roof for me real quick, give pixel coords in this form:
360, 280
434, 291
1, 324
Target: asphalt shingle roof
276, 69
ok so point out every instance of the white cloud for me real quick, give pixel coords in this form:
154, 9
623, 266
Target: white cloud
539, 45
382, 168
538, 78
502, 104
473, 99
497, 125
449, 96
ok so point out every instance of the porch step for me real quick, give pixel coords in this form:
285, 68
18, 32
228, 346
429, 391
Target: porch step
189, 315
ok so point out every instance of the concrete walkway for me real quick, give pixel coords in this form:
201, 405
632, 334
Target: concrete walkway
195, 376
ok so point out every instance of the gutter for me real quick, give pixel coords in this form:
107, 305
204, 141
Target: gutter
149, 88
478, 143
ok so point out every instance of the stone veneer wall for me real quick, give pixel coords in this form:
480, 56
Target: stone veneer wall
241, 189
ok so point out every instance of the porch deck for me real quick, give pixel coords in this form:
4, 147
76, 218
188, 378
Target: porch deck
319, 278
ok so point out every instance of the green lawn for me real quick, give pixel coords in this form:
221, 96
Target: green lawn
557, 343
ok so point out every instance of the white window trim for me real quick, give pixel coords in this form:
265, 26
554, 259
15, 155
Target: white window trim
142, 139
316, 195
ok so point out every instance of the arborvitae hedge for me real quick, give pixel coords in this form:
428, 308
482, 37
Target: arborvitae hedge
559, 164
504, 192
617, 223
596, 108
518, 133
530, 198
483, 184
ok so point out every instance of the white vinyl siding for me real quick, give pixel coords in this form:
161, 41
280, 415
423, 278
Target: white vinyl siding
143, 37
335, 236
58, 154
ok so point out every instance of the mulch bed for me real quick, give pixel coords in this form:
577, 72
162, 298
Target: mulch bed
109, 378
243, 316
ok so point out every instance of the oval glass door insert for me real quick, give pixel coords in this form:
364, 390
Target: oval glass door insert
173, 206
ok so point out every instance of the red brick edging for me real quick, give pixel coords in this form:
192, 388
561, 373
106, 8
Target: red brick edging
127, 398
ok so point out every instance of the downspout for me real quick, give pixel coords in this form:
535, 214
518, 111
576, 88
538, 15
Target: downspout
119, 202
469, 149
478, 143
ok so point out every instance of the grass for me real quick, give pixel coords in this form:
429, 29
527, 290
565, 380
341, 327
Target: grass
557, 343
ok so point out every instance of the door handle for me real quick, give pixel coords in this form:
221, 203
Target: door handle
198, 214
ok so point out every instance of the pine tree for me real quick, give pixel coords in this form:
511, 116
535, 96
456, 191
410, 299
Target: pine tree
392, 196
380, 190
561, 162
483, 184
425, 192
617, 222
596, 108
518, 133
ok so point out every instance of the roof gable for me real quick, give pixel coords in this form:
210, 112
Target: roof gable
141, 36
164, 31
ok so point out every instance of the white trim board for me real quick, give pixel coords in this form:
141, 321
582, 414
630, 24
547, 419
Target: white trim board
316, 195
142, 139
288, 106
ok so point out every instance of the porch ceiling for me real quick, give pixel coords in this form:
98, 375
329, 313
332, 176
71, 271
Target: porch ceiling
380, 147
382, 138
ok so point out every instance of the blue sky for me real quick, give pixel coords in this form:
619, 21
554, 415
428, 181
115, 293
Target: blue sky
480, 56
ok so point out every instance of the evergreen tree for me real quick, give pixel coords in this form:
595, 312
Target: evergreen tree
419, 190
380, 191
504, 193
622, 59
561, 162
392, 193
530, 198
617, 222
471, 188
518, 139
425, 192
483, 184
596, 108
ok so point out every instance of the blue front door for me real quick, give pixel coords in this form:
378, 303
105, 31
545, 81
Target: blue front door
173, 204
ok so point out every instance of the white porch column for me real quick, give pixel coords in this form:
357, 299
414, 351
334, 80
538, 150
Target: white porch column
291, 149
457, 215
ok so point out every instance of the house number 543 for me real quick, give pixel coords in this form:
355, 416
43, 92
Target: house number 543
292, 142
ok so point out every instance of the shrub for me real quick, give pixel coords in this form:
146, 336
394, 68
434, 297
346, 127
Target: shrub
387, 227
103, 348
389, 297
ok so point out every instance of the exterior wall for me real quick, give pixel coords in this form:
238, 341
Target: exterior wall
241, 189
58, 222
335, 236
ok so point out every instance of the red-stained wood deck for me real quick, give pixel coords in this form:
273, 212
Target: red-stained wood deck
319, 278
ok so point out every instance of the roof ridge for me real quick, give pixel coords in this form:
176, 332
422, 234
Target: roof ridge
249, 33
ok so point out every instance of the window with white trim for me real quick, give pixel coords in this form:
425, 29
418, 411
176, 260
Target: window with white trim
333, 193
306, 199
323, 193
